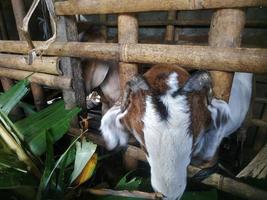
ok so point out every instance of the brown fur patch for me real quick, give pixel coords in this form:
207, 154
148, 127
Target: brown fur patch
200, 115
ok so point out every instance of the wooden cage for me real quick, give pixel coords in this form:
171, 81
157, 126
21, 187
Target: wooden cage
59, 67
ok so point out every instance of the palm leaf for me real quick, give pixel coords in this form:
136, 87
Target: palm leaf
55, 118
10, 98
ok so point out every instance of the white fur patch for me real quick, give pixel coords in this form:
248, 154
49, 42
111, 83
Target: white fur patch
173, 82
168, 144
112, 130
235, 111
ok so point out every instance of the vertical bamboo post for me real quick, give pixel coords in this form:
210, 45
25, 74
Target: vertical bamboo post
127, 33
225, 31
6, 82
3, 30
104, 31
170, 29
71, 67
37, 90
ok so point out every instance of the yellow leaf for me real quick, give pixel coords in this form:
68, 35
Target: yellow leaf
87, 171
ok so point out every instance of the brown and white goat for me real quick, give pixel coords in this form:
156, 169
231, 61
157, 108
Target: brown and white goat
176, 121
166, 110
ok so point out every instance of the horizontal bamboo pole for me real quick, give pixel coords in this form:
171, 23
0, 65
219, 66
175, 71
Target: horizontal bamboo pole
126, 6
162, 23
215, 180
40, 78
48, 65
125, 193
199, 57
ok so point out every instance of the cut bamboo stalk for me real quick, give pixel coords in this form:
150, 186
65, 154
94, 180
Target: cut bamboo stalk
48, 65
199, 57
127, 34
126, 6
169, 34
40, 78
215, 180
125, 193
259, 123
257, 168
37, 91
225, 31
162, 23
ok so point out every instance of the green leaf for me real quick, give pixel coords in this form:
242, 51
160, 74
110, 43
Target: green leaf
10, 98
55, 118
84, 152
62, 157
49, 162
8, 160
132, 184
10, 179
125, 184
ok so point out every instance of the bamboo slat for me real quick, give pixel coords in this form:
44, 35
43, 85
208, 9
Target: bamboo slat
127, 6
199, 57
127, 34
40, 78
161, 23
48, 65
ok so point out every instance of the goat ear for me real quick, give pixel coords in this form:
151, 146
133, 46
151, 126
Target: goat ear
198, 81
112, 128
95, 73
136, 84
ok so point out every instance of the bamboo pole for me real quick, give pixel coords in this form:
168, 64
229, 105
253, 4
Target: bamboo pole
218, 181
37, 91
127, 34
257, 168
48, 65
126, 6
225, 31
200, 57
7, 83
162, 23
39, 78
125, 193
170, 29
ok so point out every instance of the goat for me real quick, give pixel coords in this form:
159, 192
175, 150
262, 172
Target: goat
100, 74
175, 119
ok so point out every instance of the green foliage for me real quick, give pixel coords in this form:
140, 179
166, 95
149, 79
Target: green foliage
55, 118
10, 98
35, 134
11, 178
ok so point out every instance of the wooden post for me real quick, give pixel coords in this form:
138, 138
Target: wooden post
127, 34
170, 29
37, 90
71, 67
225, 31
